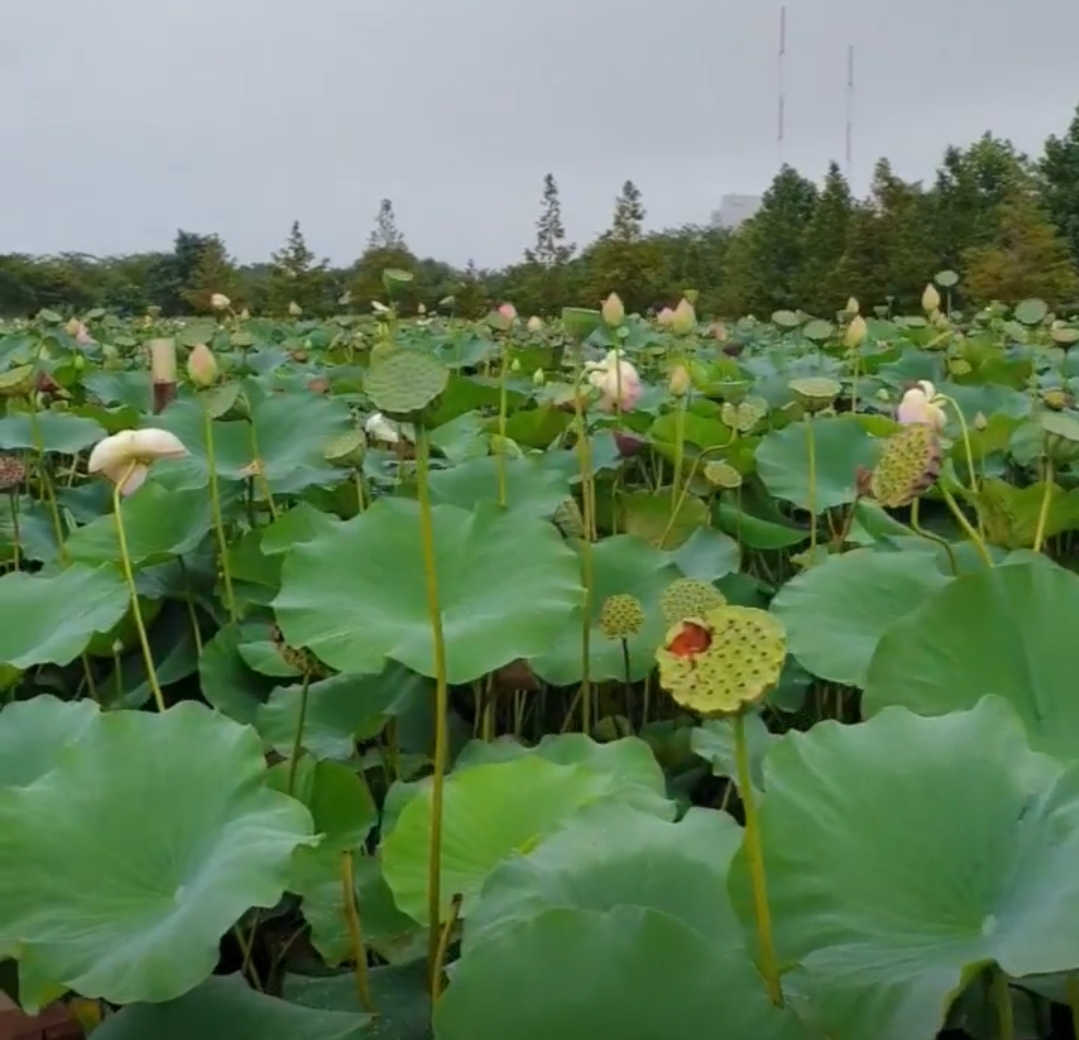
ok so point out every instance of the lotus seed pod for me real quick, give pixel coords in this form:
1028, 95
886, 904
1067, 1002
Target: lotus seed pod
567, 518
202, 366
680, 381
613, 311
220, 302
908, 466
12, 472
688, 597
404, 382
684, 319
1056, 398
720, 663
815, 393
722, 475
305, 662
856, 333
718, 331
930, 299
621, 616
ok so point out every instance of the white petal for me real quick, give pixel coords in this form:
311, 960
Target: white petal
135, 479
152, 443
112, 452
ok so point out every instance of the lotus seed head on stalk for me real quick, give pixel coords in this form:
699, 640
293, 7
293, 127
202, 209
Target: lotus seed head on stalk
613, 311
568, 519
127, 456
930, 299
856, 332
689, 597
816, 393
723, 660
202, 366
684, 319
12, 472
621, 616
220, 302
722, 475
908, 466
535, 324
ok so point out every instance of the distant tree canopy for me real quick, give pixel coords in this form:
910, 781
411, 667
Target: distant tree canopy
1007, 223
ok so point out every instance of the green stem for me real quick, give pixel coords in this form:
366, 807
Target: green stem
588, 513
297, 740
854, 381
129, 575
964, 523
500, 454
1043, 513
90, 684
1071, 987
929, 536
434, 611
443, 947
260, 472
15, 529
352, 915
679, 446
811, 448
1003, 1001
966, 441
215, 502
755, 856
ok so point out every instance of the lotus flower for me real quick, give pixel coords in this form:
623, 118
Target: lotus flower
930, 299
535, 324
508, 311
613, 311
379, 428
665, 318
617, 380
127, 456
922, 404
684, 318
219, 301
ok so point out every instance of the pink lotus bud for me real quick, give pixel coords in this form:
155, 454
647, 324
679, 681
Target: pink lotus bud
202, 366
680, 382
665, 317
684, 319
508, 311
614, 313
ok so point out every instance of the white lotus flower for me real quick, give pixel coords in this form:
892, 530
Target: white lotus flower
379, 428
219, 301
127, 456
922, 404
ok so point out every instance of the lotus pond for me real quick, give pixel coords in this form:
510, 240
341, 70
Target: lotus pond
604, 677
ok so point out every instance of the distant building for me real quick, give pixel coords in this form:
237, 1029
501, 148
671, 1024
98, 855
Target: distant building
735, 209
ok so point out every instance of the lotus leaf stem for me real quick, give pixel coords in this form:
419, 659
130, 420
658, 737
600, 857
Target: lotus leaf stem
443, 947
434, 610
15, 529
215, 504
500, 454
966, 440
928, 535
1002, 998
679, 446
297, 740
973, 535
129, 575
1043, 512
46, 481
1071, 988
811, 502
755, 856
355, 933
260, 473
584, 456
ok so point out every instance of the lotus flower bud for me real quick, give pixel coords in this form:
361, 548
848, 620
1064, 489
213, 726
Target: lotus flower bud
245, 315
614, 313
684, 320
680, 381
538, 377
421, 309
295, 309
220, 302
665, 317
856, 332
202, 366
72, 327
508, 311
515, 365
930, 299
535, 324
853, 306
980, 421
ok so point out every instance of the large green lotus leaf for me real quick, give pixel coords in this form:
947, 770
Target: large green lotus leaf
226, 1008
292, 431
357, 595
34, 734
836, 613
1006, 631
300, 524
963, 854
125, 897
629, 972
756, 532
227, 682
50, 619
622, 565
627, 765
610, 854
340, 710
338, 799
841, 444
158, 524
652, 517
489, 813
707, 555
531, 487
49, 431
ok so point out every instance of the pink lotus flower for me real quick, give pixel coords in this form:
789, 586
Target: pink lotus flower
665, 318
508, 311
617, 381
922, 405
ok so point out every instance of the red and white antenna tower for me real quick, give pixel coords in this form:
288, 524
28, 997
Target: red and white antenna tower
850, 112
782, 80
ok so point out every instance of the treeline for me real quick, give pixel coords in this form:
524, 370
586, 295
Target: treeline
1008, 223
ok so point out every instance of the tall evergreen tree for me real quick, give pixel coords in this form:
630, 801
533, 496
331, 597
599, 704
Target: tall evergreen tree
296, 277
629, 211
825, 243
1060, 172
385, 234
623, 261
551, 248
215, 273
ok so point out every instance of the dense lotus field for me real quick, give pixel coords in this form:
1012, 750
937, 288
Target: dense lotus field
614, 677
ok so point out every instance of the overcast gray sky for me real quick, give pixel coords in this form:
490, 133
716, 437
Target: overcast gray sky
122, 120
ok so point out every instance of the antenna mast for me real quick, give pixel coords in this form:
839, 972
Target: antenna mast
782, 80
850, 112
